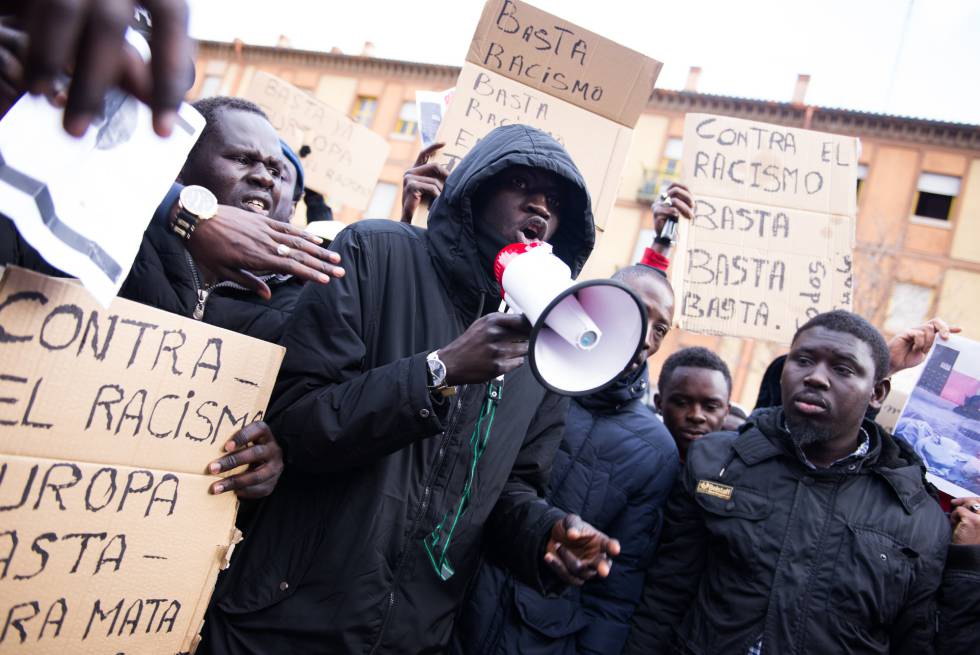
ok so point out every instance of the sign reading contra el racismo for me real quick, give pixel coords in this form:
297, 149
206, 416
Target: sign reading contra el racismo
771, 242
109, 539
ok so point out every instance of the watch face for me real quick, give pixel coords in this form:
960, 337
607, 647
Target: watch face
198, 201
438, 371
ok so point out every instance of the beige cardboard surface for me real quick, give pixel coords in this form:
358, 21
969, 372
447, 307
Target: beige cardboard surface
770, 164
765, 252
550, 54
345, 159
485, 100
109, 541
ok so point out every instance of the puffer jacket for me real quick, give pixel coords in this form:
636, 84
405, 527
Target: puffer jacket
615, 468
758, 545
336, 562
164, 275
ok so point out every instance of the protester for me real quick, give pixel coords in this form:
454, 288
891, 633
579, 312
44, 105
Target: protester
615, 468
810, 529
240, 159
393, 484
693, 394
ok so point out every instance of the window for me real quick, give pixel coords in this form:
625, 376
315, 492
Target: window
211, 86
364, 109
668, 171
408, 120
862, 175
382, 201
935, 196
643, 241
909, 306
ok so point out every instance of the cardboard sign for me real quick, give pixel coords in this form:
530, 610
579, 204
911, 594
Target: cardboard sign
773, 233
345, 159
109, 539
527, 66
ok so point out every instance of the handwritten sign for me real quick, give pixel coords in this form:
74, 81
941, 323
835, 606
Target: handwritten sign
109, 539
529, 67
345, 159
772, 238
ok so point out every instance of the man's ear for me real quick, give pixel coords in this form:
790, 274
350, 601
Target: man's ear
880, 393
656, 401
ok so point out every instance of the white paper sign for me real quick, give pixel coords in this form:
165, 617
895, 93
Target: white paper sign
432, 106
84, 203
941, 418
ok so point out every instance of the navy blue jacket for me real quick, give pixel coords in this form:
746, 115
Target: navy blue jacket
615, 468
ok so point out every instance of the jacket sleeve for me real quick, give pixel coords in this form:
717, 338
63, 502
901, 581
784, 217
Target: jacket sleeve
610, 603
329, 411
674, 575
959, 602
520, 523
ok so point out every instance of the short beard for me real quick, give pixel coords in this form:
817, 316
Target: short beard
804, 433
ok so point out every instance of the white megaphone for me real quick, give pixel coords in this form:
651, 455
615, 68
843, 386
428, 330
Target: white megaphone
583, 335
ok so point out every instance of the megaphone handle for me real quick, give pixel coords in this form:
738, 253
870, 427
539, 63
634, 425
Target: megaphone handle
508, 305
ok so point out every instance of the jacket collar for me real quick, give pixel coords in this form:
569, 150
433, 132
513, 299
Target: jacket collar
618, 394
763, 437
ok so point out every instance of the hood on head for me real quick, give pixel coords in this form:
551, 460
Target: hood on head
451, 224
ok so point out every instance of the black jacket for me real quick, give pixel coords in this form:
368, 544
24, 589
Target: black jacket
840, 560
959, 606
336, 562
615, 468
164, 276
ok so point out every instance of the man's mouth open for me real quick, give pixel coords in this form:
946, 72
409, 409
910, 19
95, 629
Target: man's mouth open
256, 205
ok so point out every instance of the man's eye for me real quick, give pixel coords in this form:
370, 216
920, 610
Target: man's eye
843, 370
274, 172
519, 182
554, 201
662, 330
243, 160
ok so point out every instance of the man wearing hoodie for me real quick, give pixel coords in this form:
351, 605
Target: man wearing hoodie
615, 468
406, 455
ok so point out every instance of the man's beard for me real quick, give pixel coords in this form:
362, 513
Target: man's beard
804, 432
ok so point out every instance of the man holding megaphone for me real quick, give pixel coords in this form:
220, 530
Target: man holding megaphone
415, 440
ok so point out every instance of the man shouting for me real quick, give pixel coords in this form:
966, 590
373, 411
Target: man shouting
406, 452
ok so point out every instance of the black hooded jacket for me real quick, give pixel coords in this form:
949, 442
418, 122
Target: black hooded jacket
336, 561
756, 544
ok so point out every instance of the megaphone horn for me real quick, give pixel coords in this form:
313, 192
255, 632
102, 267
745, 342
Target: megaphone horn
583, 335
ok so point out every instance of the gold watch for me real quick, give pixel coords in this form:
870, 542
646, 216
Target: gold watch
196, 204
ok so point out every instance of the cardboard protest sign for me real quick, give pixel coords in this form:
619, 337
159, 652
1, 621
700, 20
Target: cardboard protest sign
84, 203
345, 159
771, 242
941, 418
530, 67
109, 539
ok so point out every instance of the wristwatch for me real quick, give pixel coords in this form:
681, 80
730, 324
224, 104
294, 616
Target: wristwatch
196, 204
437, 375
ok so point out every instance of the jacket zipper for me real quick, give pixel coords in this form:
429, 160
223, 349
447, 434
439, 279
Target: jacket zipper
419, 515
204, 291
